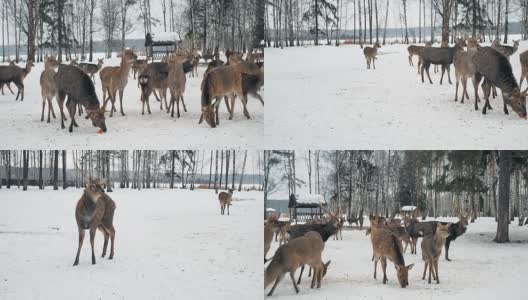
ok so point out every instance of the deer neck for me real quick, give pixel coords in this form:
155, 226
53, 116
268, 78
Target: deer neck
124, 68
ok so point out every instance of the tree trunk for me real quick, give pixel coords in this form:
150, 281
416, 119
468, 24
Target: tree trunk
505, 160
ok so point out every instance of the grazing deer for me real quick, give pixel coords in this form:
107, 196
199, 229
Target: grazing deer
440, 56
385, 245
48, 86
370, 54
79, 88
95, 210
115, 79
15, 74
269, 230
497, 70
289, 257
315, 235
432, 248
225, 201
339, 227
91, 69
524, 65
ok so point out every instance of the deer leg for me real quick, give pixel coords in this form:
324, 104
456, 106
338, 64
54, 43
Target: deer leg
384, 267
178, 105
43, 108
442, 77
216, 105
464, 90
106, 236
9, 87
279, 278
430, 269
319, 276
111, 230
244, 103
476, 81
448, 68
374, 62
506, 109
148, 105
70, 105
410, 60
228, 209
428, 75
436, 270
183, 103
300, 275
60, 100
425, 270
164, 96
81, 238
232, 110
171, 106
447, 243
121, 101
375, 265
92, 242
456, 91
314, 277
486, 88
292, 276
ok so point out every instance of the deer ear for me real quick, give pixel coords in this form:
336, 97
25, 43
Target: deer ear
410, 267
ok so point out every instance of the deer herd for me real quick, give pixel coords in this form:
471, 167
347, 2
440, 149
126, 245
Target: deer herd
305, 243
488, 66
236, 78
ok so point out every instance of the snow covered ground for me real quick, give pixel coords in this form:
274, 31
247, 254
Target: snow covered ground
170, 244
480, 269
21, 123
324, 97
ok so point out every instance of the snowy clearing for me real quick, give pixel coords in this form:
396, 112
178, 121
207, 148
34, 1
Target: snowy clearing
21, 121
324, 97
175, 245
480, 269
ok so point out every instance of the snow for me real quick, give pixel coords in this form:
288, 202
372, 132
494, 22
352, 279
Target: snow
20, 121
408, 208
166, 36
310, 198
170, 244
324, 97
480, 269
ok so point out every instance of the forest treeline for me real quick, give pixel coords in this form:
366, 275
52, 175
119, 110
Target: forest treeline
294, 22
68, 28
438, 183
138, 169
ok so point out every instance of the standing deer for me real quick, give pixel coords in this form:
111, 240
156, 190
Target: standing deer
176, 80
339, 232
289, 257
225, 201
269, 230
15, 74
432, 248
48, 86
524, 65
91, 69
440, 56
115, 79
415, 50
95, 210
370, 54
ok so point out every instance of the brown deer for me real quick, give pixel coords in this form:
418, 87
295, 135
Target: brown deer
176, 83
115, 79
91, 69
339, 232
48, 86
505, 49
79, 88
15, 74
138, 66
225, 201
415, 50
465, 68
432, 245
270, 227
370, 54
289, 257
524, 65
95, 210
385, 245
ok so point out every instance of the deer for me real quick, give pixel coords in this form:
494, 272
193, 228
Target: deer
138, 66
464, 69
154, 77
339, 228
524, 66
505, 49
79, 88
386, 245
496, 70
315, 235
326, 230
91, 69
95, 210
432, 249
115, 79
289, 257
225, 201
440, 56
15, 74
370, 54
48, 86
415, 50
176, 82
270, 227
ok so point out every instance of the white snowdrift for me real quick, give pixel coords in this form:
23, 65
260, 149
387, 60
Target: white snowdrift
170, 244
480, 269
324, 97
20, 122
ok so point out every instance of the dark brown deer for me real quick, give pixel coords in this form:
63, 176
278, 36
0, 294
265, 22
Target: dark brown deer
440, 56
79, 88
16, 75
497, 70
95, 210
